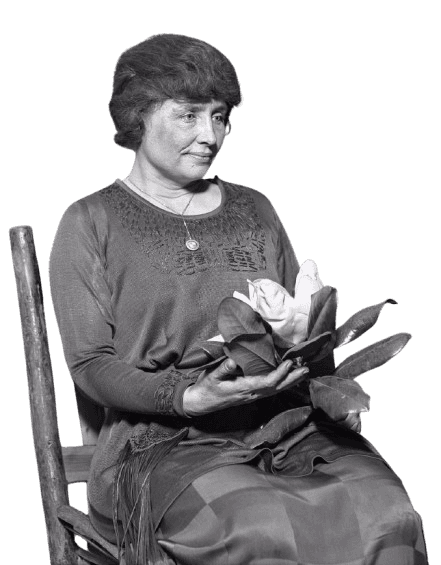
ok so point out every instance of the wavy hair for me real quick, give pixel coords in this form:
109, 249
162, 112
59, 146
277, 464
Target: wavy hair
162, 67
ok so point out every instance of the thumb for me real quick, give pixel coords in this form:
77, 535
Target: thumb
227, 368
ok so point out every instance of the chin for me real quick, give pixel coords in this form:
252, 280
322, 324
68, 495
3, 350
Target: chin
195, 174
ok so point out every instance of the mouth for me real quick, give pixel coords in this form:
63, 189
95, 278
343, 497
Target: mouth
202, 157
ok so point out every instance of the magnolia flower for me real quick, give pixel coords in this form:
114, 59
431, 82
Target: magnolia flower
287, 316
303, 330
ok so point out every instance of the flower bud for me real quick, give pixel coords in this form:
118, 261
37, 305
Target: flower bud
287, 315
275, 305
307, 283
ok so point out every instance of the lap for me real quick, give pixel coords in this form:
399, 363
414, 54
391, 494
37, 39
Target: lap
340, 513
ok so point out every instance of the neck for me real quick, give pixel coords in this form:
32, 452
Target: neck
154, 184
169, 202
166, 193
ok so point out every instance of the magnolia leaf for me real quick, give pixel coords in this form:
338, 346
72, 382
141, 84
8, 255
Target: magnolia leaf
323, 312
214, 348
280, 342
327, 351
338, 397
372, 356
255, 355
236, 318
279, 426
308, 349
213, 364
321, 366
299, 394
359, 323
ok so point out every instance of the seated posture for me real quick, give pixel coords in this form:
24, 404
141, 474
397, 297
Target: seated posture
138, 270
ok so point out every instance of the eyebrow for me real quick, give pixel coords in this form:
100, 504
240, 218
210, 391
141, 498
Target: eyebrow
189, 105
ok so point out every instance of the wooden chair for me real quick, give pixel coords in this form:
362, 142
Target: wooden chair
57, 466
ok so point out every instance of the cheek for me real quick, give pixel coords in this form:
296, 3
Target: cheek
220, 140
160, 140
176, 140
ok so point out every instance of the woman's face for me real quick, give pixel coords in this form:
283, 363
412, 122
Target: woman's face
181, 140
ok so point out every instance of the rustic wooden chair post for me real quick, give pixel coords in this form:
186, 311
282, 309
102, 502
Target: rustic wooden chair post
57, 466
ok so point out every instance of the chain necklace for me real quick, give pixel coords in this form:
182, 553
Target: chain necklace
191, 243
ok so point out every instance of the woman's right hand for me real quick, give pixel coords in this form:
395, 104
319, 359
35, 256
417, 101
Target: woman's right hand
223, 387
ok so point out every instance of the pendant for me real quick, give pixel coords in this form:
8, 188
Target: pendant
192, 244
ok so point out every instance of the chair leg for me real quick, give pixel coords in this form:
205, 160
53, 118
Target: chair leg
41, 393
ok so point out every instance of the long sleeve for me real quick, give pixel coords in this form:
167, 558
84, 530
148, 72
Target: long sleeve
134, 305
287, 264
83, 305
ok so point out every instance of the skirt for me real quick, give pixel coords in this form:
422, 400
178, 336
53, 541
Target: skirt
350, 511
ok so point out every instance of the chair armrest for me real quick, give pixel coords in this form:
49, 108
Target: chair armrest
79, 523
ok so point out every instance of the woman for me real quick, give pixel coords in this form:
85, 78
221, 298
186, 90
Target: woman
138, 270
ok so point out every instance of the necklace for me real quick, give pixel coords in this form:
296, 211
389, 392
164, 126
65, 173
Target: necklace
191, 243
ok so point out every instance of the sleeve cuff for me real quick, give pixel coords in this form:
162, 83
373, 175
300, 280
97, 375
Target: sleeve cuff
169, 394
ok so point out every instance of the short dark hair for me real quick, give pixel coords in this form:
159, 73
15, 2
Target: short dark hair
162, 67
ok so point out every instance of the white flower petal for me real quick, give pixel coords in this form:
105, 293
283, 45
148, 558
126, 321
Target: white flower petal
242, 297
217, 338
308, 280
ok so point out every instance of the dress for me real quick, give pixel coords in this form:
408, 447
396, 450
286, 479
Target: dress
133, 307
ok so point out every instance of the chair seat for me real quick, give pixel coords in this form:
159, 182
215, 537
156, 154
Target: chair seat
76, 462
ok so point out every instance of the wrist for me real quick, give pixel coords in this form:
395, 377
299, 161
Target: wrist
189, 401
178, 398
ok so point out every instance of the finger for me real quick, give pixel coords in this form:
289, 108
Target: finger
355, 422
352, 421
276, 376
356, 427
293, 378
273, 380
265, 384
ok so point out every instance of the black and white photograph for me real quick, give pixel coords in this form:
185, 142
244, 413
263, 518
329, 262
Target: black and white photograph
221, 267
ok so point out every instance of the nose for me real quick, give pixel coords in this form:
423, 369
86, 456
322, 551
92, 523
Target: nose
206, 134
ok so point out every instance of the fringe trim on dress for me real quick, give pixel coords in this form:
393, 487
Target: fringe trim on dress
132, 496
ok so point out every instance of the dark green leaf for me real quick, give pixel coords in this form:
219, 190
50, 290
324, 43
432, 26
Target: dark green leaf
236, 318
299, 394
212, 364
359, 323
322, 366
279, 426
214, 348
281, 343
308, 349
338, 397
372, 356
255, 355
323, 312
327, 351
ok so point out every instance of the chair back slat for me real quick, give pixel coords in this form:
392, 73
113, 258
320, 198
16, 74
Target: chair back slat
77, 461
41, 393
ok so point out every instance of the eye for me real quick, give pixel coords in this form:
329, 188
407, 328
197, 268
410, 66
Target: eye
189, 117
219, 119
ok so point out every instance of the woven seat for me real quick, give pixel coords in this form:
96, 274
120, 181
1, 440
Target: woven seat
57, 466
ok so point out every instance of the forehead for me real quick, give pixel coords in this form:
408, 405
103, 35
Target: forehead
195, 105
